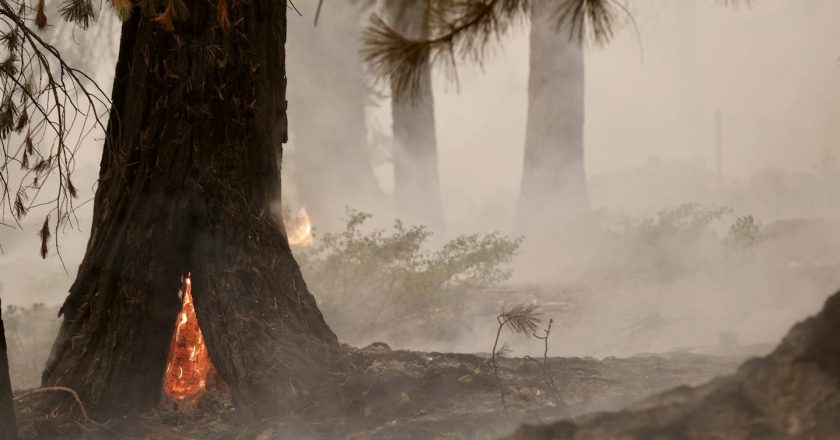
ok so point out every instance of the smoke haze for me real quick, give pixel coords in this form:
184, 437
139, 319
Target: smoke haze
770, 70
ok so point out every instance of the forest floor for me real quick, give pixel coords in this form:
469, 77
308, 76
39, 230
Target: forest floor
392, 394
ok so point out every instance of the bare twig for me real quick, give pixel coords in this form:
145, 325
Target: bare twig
493, 360
549, 380
318, 12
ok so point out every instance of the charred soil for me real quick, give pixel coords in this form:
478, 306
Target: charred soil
380, 393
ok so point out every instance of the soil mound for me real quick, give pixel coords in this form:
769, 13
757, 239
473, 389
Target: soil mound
792, 393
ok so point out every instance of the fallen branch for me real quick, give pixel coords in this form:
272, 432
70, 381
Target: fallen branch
57, 389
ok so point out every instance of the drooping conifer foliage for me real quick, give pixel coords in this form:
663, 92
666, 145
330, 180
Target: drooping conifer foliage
47, 108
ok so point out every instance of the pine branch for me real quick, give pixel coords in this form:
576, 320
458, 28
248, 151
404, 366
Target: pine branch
521, 318
465, 30
43, 101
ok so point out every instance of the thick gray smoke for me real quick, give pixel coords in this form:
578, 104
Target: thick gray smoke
627, 279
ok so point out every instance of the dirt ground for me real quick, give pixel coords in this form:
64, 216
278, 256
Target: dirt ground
792, 393
392, 394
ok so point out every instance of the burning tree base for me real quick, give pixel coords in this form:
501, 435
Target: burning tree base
187, 182
189, 370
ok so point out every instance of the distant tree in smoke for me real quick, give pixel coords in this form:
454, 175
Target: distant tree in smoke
553, 185
417, 192
553, 180
332, 154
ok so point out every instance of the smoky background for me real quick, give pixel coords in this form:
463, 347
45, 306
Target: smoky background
618, 283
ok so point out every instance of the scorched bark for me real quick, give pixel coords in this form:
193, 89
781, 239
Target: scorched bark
187, 174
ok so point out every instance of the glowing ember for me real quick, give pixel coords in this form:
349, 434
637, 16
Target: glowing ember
188, 366
299, 229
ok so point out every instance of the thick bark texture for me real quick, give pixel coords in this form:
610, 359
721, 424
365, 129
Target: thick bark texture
188, 173
417, 193
553, 176
8, 427
333, 157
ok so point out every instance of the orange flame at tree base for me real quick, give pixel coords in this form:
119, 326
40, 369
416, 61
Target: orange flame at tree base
188, 366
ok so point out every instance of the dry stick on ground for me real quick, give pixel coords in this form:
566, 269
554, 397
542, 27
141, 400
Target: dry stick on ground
521, 319
57, 389
549, 380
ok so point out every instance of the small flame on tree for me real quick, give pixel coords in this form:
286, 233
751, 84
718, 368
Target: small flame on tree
299, 229
188, 367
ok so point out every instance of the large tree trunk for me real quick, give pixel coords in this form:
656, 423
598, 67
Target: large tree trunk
8, 427
187, 176
332, 153
553, 176
417, 193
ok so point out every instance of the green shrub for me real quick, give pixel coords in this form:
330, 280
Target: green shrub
363, 272
680, 240
744, 234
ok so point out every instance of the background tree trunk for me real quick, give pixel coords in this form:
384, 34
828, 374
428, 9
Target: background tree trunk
417, 193
553, 177
332, 154
8, 427
187, 176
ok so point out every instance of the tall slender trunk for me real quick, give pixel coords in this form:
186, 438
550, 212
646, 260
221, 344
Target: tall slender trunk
417, 193
690, 118
8, 427
553, 177
332, 153
186, 181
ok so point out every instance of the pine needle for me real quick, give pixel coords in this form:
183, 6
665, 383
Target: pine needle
80, 12
222, 15
504, 351
522, 319
123, 9
40, 16
45, 237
